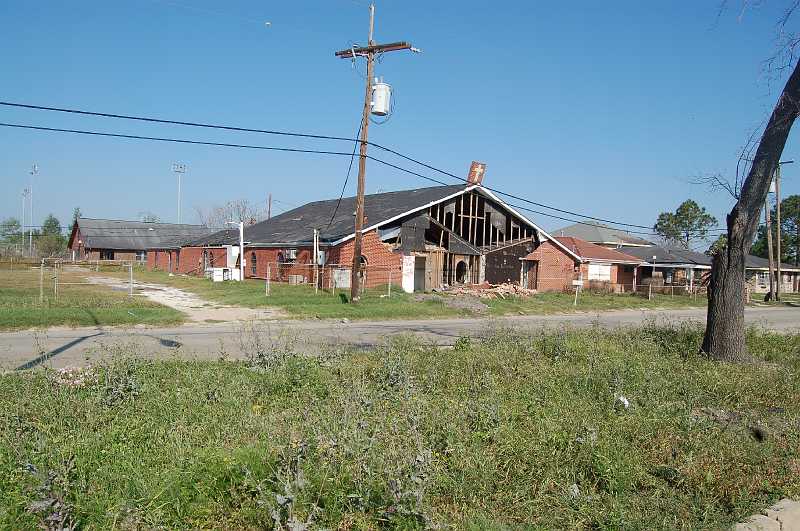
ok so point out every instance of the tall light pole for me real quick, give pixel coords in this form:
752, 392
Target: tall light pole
34, 172
24, 219
179, 169
369, 51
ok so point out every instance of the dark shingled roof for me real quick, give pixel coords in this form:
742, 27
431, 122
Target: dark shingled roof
675, 256
137, 235
666, 255
296, 226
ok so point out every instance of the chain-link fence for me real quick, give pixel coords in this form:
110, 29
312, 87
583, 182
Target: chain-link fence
328, 278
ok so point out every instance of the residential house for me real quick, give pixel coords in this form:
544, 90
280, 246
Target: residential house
603, 235
551, 268
110, 239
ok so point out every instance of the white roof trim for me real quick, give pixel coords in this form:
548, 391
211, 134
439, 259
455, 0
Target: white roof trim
544, 235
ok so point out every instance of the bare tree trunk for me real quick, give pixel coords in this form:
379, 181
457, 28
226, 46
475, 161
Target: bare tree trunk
725, 332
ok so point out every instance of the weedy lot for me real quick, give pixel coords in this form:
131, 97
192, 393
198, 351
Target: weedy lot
302, 302
83, 305
561, 429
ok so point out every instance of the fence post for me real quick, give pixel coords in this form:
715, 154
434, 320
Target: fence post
576, 296
41, 282
650, 291
130, 286
55, 281
266, 292
390, 283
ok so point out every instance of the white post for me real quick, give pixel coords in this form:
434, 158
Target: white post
241, 251
390, 283
130, 285
55, 281
41, 282
314, 261
268, 274
576, 296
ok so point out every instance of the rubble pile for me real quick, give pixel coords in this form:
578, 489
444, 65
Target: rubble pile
489, 291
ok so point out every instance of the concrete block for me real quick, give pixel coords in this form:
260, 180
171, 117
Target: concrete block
758, 522
787, 513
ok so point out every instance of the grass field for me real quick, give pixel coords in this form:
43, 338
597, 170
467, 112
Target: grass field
75, 306
505, 431
301, 301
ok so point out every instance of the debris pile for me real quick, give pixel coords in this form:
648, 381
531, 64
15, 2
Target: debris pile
489, 291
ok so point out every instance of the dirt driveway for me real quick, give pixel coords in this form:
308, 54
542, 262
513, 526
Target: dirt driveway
197, 309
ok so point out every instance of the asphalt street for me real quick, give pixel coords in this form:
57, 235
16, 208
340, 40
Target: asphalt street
60, 347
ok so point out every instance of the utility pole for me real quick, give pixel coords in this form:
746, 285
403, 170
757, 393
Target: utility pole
369, 51
34, 173
778, 222
771, 294
269, 206
179, 169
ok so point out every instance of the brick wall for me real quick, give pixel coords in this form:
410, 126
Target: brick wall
381, 258
556, 268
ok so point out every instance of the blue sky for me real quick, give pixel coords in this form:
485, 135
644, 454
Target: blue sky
609, 109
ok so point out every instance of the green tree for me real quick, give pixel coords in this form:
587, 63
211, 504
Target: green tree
689, 223
51, 226
790, 226
51, 242
718, 246
10, 230
76, 213
790, 232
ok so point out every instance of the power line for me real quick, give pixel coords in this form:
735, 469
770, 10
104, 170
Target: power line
323, 152
175, 140
347, 177
314, 136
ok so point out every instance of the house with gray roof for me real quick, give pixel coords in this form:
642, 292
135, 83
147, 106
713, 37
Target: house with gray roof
599, 234
112, 239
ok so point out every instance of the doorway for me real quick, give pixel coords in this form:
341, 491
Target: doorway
419, 273
532, 274
461, 272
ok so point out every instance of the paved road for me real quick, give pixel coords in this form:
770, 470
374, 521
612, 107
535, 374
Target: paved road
63, 347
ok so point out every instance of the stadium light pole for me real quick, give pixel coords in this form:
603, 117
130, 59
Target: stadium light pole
34, 172
179, 169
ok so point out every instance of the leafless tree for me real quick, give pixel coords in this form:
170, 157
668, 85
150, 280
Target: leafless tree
234, 210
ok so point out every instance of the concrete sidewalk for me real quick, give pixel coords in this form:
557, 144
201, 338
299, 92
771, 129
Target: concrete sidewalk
60, 347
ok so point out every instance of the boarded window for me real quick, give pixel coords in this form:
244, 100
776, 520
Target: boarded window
600, 272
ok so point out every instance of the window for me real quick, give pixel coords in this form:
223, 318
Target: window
106, 254
253, 263
141, 256
600, 272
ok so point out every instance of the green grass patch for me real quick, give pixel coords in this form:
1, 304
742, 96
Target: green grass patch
302, 301
507, 430
84, 305
547, 303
